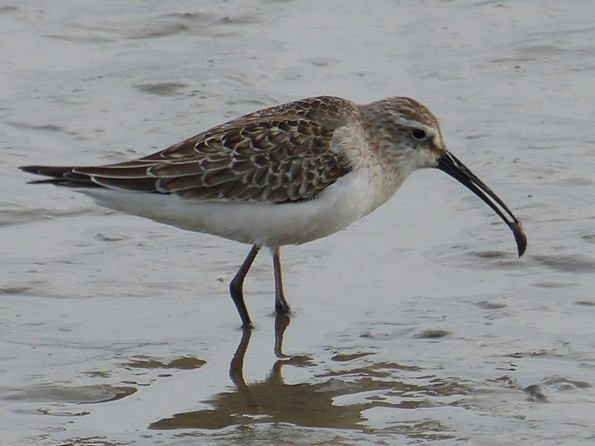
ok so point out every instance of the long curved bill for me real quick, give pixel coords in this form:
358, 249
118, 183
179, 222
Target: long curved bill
449, 164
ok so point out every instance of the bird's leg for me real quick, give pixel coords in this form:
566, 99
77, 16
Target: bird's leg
281, 304
236, 287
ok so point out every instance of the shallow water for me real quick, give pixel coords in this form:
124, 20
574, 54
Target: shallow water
417, 324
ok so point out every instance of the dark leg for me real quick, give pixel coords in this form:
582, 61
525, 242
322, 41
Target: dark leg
236, 287
281, 304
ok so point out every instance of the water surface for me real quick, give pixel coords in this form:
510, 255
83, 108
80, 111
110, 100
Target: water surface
417, 324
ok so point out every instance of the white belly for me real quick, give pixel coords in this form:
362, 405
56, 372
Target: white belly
349, 199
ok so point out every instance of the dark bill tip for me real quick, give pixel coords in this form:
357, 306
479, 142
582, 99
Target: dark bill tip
519, 237
449, 164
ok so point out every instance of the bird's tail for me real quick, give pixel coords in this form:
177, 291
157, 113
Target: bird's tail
59, 175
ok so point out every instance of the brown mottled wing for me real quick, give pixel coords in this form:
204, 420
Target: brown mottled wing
275, 155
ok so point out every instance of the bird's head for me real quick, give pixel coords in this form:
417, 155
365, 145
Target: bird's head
414, 141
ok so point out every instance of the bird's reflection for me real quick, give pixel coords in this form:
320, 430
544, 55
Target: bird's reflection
312, 403
236, 368
271, 400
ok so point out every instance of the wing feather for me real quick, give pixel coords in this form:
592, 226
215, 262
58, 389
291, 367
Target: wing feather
280, 154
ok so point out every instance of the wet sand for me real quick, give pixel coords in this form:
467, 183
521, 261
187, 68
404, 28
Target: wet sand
418, 324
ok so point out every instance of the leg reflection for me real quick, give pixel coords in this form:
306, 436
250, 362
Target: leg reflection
236, 367
281, 324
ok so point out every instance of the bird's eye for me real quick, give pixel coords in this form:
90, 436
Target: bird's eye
418, 134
